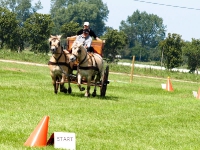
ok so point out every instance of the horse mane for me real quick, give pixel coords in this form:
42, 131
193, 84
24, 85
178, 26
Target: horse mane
57, 37
78, 44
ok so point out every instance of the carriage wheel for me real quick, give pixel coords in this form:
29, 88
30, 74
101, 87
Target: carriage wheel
104, 82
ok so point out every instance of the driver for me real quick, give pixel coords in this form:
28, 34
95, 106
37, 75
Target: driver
85, 38
86, 25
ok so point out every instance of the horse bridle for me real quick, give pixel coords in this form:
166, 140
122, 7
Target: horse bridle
57, 59
77, 56
54, 50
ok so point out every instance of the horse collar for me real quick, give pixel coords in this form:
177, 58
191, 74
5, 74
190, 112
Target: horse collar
58, 57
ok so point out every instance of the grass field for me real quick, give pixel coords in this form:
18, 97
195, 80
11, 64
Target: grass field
137, 115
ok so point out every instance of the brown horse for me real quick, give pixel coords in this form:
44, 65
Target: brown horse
90, 65
59, 65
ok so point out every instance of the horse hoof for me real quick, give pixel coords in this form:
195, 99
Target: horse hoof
82, 89
93, 94
87, 95
70, 90
63, 90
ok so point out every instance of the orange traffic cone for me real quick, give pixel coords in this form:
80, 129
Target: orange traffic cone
198, 94
38, 137
169, 85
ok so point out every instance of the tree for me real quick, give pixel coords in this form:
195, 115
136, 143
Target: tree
38, 29
146, 29
192, 51
139, 52
23, 8
9, 29
94, 11
58, 14
70, 29
171, 49
115, 41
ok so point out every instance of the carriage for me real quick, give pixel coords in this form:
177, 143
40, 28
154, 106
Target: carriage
98, 48
72, 77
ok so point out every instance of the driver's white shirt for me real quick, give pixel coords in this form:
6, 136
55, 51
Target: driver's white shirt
87, 41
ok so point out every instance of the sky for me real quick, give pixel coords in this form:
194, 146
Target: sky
179, 16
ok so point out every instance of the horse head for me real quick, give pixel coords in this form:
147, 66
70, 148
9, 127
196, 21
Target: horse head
78, 50
54, 42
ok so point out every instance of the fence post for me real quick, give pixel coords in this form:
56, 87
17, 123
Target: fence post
132, 69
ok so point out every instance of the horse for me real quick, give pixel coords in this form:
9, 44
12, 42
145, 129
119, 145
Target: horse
89, 66
59, 65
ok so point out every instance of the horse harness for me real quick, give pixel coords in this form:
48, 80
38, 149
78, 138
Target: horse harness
57, 63
93, 67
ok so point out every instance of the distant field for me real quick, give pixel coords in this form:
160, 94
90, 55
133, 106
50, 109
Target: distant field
137, 115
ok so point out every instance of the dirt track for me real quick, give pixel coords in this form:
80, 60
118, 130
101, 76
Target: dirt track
20, 62
42, 65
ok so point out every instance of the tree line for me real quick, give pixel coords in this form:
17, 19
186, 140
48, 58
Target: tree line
141, 34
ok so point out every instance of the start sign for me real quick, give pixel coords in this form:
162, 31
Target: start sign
65, 140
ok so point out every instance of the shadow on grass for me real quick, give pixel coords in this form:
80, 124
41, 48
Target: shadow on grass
80, 95
108, 98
